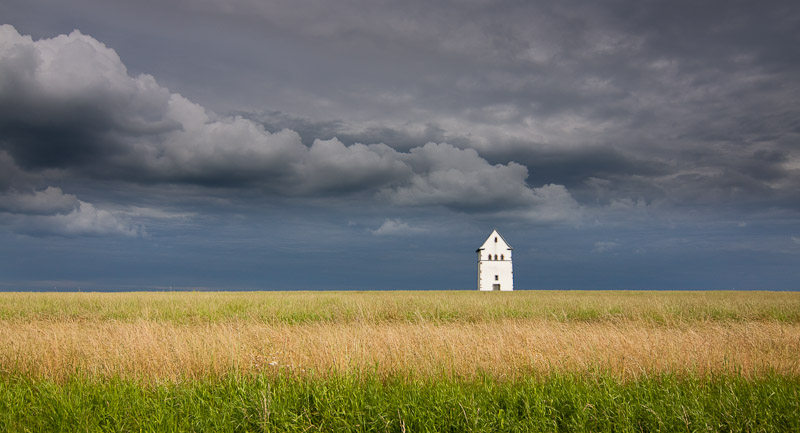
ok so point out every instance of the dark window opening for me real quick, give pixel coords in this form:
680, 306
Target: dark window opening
495, 256
496, 277
501, 257
495, 238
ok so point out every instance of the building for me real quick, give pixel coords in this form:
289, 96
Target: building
494, 264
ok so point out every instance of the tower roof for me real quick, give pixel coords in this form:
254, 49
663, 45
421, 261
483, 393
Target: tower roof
494, 234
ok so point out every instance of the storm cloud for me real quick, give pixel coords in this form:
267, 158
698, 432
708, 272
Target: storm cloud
70, 105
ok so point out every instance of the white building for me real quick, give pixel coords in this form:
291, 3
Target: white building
494, 264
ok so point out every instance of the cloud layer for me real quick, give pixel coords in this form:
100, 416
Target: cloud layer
684, 104
69, 106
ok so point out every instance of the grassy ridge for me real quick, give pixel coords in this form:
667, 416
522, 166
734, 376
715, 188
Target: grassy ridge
349, 403
660, 307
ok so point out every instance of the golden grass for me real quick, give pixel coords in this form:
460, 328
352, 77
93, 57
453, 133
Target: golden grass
156, 351
669, 307
177, 336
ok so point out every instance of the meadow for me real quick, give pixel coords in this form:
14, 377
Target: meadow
400, 361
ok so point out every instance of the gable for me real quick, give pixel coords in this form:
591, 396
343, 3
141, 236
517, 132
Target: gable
495, 242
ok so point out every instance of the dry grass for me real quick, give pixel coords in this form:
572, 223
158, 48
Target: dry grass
390, 307
152, 350
177, 336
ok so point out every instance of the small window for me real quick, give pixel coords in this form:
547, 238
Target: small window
495, 238
495, 256
490, 257
496, 277
501, 257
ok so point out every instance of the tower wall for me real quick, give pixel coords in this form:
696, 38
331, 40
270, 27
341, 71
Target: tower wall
491, 272
495, 271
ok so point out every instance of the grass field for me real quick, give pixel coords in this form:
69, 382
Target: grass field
673, 307
400, 361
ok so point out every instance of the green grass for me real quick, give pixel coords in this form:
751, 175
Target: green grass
562, 403
380, 307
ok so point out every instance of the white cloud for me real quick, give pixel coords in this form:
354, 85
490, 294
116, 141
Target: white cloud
89, 220
460, 178
51, 212
395, 227
330, 165
603, 247
553, 203
49, 201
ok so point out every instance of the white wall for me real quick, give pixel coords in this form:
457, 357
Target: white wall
487, 270
500, 271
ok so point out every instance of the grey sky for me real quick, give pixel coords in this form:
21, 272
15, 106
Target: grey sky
605, 139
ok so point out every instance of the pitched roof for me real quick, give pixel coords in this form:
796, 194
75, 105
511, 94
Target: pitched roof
494, 231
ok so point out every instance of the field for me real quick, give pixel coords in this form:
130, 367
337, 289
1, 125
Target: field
400, 361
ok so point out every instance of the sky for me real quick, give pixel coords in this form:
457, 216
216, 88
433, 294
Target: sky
374, 145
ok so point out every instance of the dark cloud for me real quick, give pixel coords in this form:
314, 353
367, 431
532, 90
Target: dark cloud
11, 176
401, 138
78, 110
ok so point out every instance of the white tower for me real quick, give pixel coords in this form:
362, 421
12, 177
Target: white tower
494, 264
